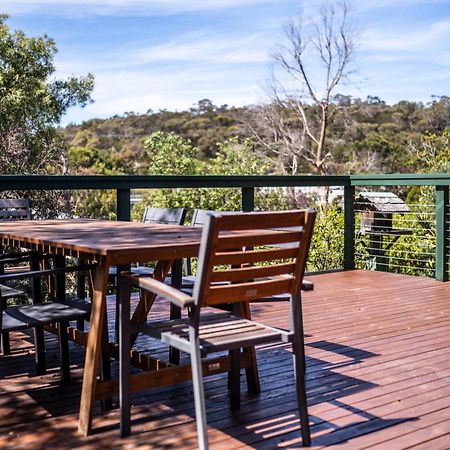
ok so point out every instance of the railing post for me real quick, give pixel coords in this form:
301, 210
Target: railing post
349, 228
123, 204
248, 199
441, 233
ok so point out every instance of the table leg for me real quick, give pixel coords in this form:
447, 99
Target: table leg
94, 340
146, 301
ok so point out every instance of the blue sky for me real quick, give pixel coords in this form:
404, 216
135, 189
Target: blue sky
168, 54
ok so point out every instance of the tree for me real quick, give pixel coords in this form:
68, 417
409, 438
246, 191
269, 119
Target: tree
170, 154
317, 58
32, 103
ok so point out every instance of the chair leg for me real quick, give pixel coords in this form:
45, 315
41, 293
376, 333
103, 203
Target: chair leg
124, 359
298, 347
199, 397
5, 345
175, 312
251, 372
39, 355
235, 378
81, 293
64, 356
36, 295
299, 368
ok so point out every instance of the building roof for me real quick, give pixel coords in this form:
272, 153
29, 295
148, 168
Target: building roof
384, 202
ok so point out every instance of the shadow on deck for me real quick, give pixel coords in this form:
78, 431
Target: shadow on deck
378, 357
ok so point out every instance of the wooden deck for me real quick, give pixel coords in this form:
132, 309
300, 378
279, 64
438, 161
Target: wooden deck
378, 348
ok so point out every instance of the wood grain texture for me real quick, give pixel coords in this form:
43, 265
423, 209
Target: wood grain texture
121, 241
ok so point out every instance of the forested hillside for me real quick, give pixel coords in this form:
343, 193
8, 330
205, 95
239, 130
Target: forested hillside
364, 137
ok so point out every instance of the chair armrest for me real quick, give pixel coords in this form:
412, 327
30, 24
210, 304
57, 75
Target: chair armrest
175, 296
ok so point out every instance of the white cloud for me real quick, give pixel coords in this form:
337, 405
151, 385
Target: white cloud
376, 4
421, 40
211, 48
140, 90
117, 7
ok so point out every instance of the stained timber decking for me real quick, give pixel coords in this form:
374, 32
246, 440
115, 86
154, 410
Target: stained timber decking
378, 356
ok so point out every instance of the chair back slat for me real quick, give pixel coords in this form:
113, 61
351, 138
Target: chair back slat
270, 219
252, 290
277, 242
240, 257
14, 209
169, 216
241, 274
265, 238
198, 220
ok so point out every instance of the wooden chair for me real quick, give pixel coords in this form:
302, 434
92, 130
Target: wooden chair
198, 220
12, 209
167, 216
39, 314
254, 271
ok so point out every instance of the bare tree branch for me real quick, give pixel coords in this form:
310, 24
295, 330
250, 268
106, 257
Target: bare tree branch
298, 118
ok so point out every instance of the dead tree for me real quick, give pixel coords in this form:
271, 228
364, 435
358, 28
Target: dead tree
316, 56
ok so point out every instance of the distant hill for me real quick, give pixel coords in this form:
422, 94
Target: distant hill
365, 136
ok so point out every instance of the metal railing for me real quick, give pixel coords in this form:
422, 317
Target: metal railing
435, 250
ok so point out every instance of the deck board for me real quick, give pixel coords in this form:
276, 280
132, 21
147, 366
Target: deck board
378, 357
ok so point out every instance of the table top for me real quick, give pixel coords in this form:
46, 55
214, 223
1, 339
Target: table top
121, 241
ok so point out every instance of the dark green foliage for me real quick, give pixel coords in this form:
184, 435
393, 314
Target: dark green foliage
327, 246
31, 106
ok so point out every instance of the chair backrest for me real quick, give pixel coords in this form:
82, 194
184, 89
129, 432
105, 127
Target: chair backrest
14, 209
198, 220
246, 245
199, 217
169, 216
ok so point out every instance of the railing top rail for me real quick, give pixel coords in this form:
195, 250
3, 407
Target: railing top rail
403, 179
50, 182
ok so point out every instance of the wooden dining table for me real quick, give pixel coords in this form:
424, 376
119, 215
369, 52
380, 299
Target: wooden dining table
118, 243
